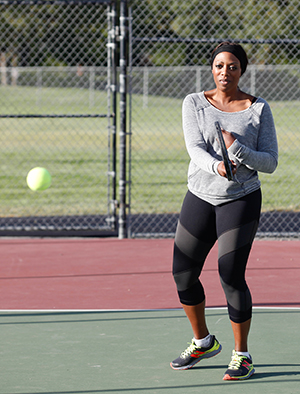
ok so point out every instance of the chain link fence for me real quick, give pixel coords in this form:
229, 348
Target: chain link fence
58, 95
171, 42
56, 87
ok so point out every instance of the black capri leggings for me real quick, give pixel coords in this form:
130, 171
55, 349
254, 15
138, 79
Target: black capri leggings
234, 225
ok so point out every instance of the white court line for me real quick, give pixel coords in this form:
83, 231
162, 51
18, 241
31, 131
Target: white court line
131, 310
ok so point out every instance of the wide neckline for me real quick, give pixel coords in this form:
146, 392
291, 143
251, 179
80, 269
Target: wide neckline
225, 112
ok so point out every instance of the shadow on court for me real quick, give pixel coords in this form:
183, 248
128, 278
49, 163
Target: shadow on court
129, 352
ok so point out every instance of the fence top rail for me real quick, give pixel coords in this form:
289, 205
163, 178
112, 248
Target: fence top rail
149, 68
54, 68
17, 116
98, 68
205, 67
54, 2
276, 41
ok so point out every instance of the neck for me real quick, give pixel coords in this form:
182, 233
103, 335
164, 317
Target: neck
227, 96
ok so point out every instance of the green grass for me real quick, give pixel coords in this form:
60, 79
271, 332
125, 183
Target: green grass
75, 152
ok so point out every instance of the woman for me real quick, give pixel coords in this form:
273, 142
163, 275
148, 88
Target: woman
215, 208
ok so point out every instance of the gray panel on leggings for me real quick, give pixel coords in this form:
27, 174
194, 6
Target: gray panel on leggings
239, 300
190, 245
236, 238
186, 279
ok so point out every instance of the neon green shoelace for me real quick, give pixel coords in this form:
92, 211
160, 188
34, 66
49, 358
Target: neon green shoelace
188, 351
236, 361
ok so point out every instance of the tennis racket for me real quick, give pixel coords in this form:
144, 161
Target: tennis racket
226, 160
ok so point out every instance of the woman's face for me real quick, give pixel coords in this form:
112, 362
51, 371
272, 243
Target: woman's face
226, 71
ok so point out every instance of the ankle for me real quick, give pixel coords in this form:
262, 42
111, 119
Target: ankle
246, 354
203, 342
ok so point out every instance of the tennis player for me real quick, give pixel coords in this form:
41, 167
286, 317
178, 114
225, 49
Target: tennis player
216, 209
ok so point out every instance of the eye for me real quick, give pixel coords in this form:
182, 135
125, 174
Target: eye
219, 65
233, 68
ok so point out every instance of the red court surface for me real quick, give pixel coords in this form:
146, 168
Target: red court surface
108, 273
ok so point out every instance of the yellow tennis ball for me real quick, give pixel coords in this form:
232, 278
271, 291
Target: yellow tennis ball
38, 178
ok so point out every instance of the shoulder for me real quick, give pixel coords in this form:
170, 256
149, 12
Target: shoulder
209, 93
246, 99
261, 105
247, 96
262, 113
262, 101
197, 100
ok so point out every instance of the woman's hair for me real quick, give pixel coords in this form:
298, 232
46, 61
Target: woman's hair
236, 49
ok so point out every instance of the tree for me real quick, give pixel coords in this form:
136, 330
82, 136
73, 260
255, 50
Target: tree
54, 34
185, 22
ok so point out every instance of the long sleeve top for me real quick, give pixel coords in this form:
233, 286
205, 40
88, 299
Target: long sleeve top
255, 148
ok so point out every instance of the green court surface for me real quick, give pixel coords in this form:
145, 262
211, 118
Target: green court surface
130, 352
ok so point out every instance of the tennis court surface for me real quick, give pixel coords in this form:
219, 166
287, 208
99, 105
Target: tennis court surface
102, 316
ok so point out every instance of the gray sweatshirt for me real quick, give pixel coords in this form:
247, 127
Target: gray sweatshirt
255, 148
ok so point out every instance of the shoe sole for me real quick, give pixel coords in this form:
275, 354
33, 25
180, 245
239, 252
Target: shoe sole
197, 360
228, 377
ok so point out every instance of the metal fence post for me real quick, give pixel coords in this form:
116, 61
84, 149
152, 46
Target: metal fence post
112, 77
123, 119
145, 87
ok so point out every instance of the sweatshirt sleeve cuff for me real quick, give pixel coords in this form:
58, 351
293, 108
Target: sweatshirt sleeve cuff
215, 167
235, 148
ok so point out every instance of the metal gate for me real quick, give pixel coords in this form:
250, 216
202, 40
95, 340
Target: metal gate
58, 110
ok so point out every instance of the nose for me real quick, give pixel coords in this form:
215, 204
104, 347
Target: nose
225, 70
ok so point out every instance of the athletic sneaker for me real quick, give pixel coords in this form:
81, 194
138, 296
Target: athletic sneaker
240, 367
193, 354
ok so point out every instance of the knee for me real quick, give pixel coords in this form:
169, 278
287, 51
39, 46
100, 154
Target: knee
189, 288
185, 271
186, 279
186, 276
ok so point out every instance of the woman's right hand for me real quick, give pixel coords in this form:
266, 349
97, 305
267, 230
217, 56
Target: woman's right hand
222, 170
